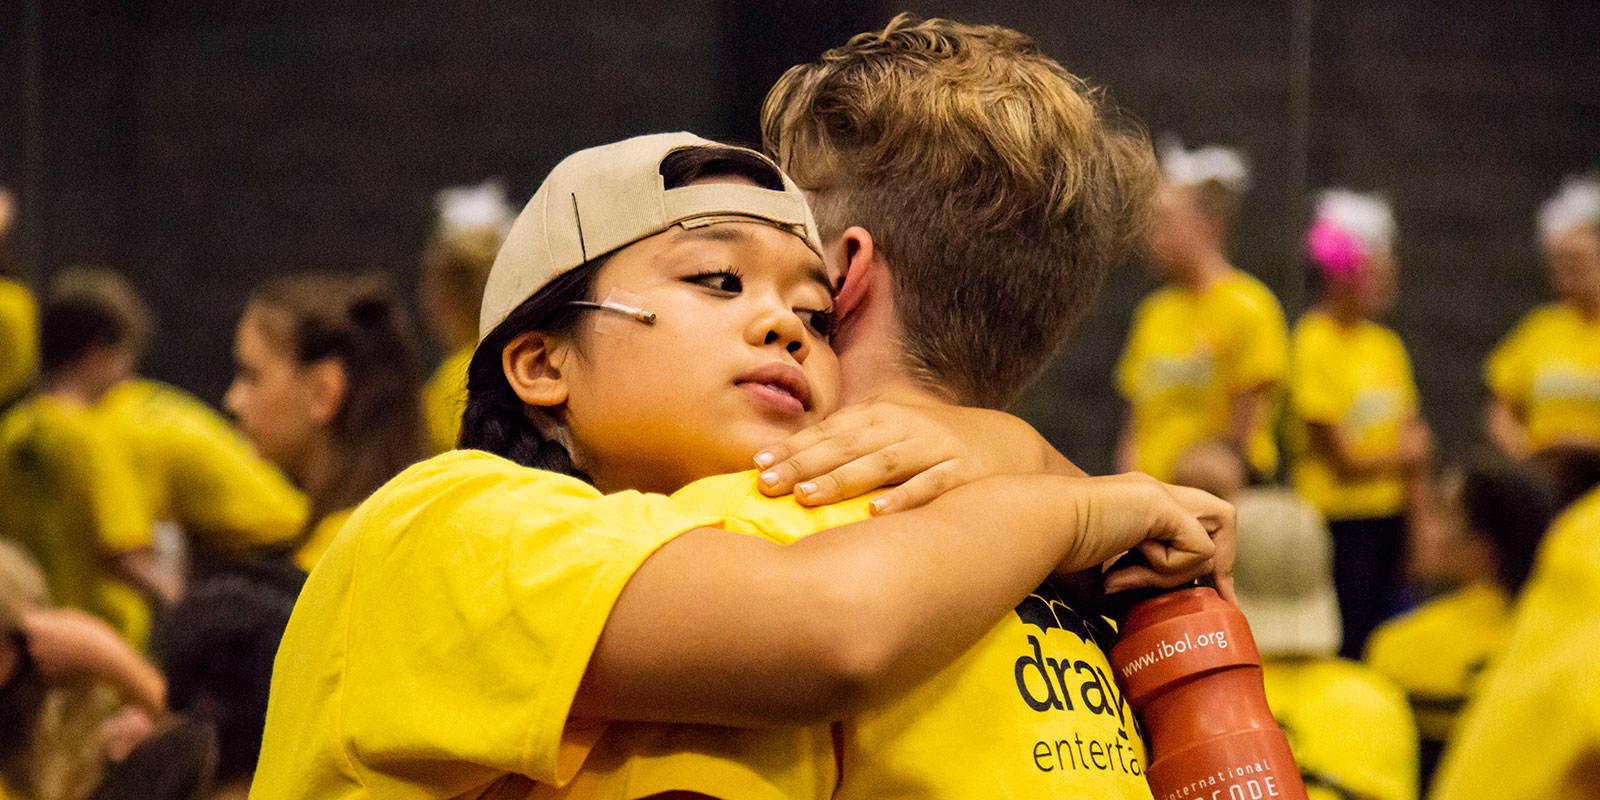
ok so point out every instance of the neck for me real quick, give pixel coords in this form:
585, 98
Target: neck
315, 473
1345, 314
1206, 270
70, 388
1589, 311
871, 362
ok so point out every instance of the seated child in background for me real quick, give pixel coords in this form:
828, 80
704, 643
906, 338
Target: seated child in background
1349, 727
1495, 513
72, 493
216, 648
62, 675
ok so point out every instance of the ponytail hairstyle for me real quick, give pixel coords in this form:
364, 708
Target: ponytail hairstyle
496, 420
360, 323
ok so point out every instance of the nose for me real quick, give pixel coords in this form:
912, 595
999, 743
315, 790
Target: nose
778, 325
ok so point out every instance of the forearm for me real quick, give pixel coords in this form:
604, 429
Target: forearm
811, 631
141, 570
1330, 441
1246, 414
1127, 455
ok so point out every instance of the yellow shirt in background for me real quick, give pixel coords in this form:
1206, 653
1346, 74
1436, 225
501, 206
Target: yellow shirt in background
1188, 355
437, 646
71, 499
19, 339
322, 535
1031, 710
444, 398
1437, 652
1359, 379
1532, 732
1548, 368
198, 471
1349, 728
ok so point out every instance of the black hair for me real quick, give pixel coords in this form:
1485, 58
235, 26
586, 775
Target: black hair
216, 648
85, 308
1511, 504
495, 419
1573, 469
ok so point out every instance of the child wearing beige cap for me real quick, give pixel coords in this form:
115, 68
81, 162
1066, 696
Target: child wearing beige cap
658, 314
1350, 727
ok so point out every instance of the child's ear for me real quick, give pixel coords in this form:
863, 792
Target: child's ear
532, 363
328, 384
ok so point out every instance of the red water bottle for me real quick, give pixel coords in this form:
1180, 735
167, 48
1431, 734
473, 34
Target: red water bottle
1189, 667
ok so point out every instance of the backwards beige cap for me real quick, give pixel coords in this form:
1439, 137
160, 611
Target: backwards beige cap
1283, 573
601, 199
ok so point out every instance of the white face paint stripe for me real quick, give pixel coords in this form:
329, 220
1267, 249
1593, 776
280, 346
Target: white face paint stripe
625, 313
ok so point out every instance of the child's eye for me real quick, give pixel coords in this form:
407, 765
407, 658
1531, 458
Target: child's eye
722, 280
819, 321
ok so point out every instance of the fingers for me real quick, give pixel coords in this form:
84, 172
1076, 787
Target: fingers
844, 436
921, 488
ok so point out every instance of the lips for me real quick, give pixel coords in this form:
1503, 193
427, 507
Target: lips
780, 385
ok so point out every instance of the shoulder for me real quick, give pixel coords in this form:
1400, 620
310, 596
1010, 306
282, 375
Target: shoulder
736, 499
1359, 685
1245, 295
1157, 301
15, 298
1400, 639
1314, 332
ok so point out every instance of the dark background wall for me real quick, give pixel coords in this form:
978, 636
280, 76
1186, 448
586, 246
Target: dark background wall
203, 149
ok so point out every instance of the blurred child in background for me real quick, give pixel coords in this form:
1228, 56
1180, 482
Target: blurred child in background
62, 672
1545, 375
1207, 353
1496, 512
1360, 446
194, 469
1349, 727
19, 314
73, 499
216, 649
327, 389
472, 223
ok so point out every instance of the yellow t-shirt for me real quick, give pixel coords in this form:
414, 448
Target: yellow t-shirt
1437, 652
1188, 355
19, 339
1348, 726
198, 471
1535, 719
1030, 711
1549, 369
72, 500
1357, 378
437, 647
322, 534
444, 398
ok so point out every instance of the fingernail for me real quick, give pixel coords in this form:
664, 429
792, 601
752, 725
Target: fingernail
879, 504
768, 478
765, 459
805, 488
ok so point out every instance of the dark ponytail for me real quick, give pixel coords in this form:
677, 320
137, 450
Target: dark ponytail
359, 322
